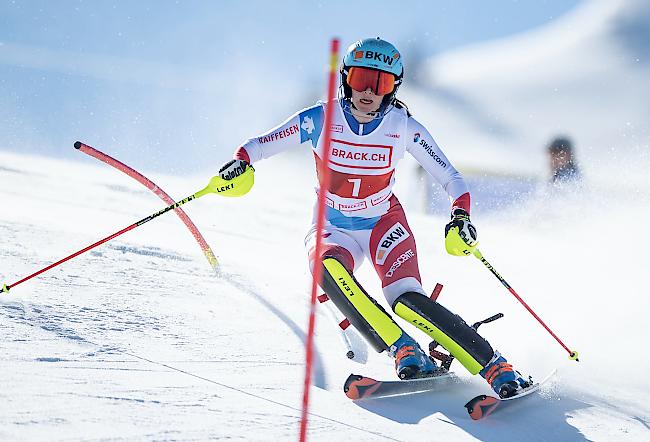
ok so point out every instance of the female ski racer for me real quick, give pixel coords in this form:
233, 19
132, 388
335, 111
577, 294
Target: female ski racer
371, 130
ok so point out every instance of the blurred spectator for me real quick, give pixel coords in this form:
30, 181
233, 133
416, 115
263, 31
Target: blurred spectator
563, 166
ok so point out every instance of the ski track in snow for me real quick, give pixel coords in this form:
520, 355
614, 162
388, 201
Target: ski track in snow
89, 326
59, 319
48, 321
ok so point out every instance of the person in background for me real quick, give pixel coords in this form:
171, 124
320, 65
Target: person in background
562, 161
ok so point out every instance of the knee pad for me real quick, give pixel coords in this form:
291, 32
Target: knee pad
363, 312
458, 338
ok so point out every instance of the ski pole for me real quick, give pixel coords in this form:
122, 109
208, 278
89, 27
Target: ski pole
216, 185
573, 355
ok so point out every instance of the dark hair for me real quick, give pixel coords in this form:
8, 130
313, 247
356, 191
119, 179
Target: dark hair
561, 145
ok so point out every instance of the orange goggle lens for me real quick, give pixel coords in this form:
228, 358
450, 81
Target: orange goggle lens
360, 79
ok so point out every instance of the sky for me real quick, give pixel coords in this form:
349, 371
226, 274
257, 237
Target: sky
206, 33
182, 81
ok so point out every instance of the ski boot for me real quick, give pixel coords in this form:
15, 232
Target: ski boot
410, 361
505, 381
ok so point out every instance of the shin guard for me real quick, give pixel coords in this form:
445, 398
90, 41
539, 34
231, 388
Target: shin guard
458, 338
363, 312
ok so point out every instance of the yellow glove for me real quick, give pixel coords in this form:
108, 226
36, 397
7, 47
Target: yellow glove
460, 234
235, 178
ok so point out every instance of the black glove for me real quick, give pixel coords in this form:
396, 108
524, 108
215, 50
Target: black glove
233, 168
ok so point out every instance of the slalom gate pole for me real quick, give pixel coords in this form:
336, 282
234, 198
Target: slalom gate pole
212, 187
324, 175
101, 156
573, 355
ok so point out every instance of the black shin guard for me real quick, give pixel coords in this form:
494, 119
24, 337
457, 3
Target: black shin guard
461, 340
363, 312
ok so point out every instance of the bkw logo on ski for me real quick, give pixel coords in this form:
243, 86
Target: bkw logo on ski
394, 236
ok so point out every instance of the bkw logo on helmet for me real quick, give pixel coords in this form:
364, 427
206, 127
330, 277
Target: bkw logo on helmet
377, 56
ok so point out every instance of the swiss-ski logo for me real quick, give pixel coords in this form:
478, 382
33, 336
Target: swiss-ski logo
307, 125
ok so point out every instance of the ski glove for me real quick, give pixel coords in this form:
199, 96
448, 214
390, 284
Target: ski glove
460, 234
235, 178
233, 169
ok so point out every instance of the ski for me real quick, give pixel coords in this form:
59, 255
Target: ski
483, 405
363, 387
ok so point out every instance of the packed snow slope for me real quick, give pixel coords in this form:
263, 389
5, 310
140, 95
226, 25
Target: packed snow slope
138, 339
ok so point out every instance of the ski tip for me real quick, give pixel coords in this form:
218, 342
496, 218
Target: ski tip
77, 144
358, 387
481, 406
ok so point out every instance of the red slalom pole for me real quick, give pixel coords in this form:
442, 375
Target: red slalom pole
101, 156
324, 175
573, 355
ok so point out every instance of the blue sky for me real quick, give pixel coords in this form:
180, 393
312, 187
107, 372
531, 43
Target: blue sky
157, 75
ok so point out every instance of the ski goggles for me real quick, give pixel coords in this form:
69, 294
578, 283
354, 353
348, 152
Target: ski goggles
380, 82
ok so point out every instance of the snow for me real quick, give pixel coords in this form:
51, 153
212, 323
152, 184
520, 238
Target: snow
139, 340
